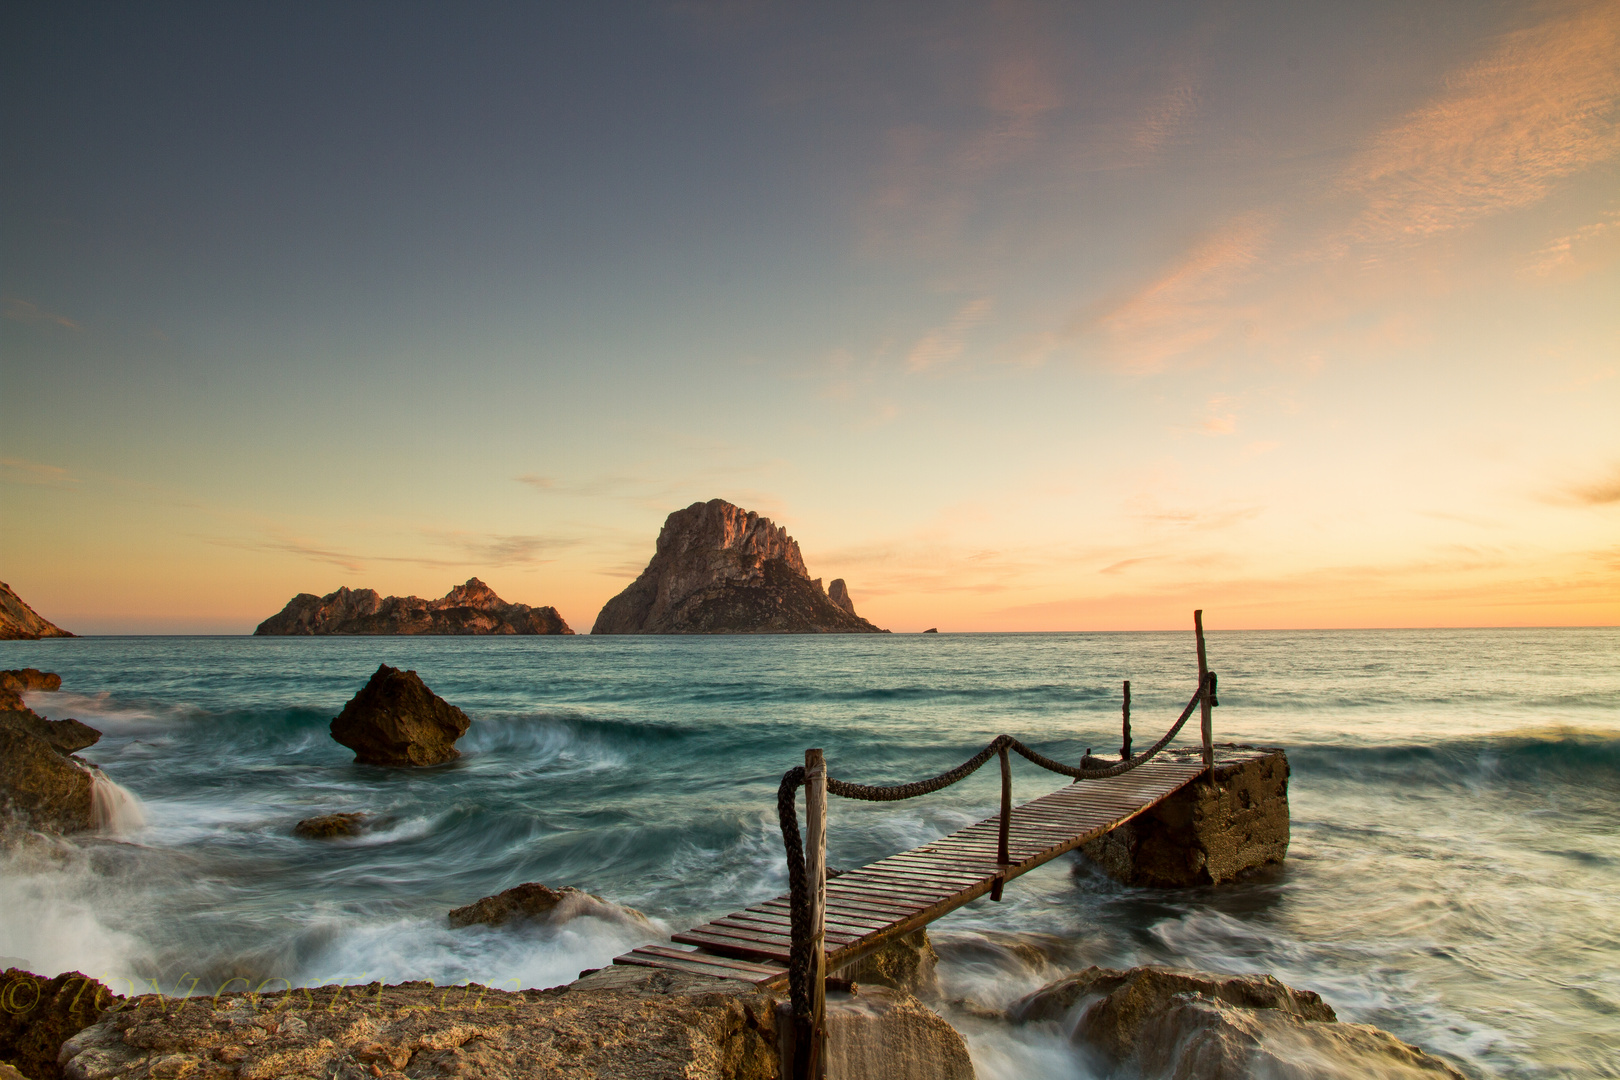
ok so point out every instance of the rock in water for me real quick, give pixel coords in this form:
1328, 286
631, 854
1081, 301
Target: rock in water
330, 826
19, 622
41, 785
396, 720
1159, 1021
536, 901
17, 682
472, 608
720, 569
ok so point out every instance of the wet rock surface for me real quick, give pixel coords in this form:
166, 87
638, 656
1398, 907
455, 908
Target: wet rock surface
19, 681
1205, 834
331, 826
1168, 1022
39, 1014
19, 622
878, 1033
719, 569
472, 608
534, 901
646, 1024
396, 720
907, 963
42, 785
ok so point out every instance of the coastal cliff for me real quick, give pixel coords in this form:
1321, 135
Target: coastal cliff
472, 608
19, 622
720, 569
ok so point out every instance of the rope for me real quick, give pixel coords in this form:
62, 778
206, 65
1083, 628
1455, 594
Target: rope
800, 958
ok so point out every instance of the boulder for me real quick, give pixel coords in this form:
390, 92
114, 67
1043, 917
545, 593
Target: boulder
1206, 833
640, 1024
720, 569
1159, 1021
877, 1033
330, 826
19, 622
39, 1014
907, 963
396, 720
539, 902
472, 608
41, 786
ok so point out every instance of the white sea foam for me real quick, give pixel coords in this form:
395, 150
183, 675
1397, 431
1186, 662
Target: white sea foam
114, 809
53, 902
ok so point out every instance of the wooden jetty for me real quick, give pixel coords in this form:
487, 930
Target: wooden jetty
869, 907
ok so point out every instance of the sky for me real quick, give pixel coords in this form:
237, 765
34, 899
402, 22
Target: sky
1018, 317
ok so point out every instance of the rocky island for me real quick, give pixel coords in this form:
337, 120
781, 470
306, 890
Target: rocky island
720, 569
19, 622
472, 608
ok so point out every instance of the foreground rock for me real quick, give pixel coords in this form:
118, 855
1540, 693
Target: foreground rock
396, 720
39, 1014
19, 681
19, 622
719, 569
472, 608
538, 902
1206, 834
907, 963
1158, 1021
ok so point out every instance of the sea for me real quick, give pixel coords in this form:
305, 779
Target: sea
1454, 873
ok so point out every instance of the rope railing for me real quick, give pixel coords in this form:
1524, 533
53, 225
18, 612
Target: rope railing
805, 909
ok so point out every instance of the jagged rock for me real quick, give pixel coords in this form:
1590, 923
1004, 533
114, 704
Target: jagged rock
536, 901
907, 963
19, 622
719, 569
39, 1014
42, 786
645, 1024
396, 720
329, 826
472, 608
838, 593
1205, 834
1159, 1021
17, 682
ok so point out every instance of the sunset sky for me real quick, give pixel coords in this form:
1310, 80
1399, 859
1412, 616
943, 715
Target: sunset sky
1017, 316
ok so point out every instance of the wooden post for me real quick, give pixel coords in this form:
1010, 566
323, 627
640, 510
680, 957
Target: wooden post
1203, 695
815, 867
1125, 710
1006, 821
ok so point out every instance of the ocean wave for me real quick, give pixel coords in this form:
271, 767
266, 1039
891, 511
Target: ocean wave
1554, 754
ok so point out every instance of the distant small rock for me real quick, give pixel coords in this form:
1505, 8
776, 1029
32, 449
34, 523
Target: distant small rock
330, 826
472, 608
536, 901
396, 720
932, 630
19, 622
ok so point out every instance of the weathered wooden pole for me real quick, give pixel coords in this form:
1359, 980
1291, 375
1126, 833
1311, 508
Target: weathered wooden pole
1203, 695
1002, 857
815, 869
1125, 724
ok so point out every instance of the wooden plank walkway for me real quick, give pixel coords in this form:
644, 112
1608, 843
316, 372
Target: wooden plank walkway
869, 907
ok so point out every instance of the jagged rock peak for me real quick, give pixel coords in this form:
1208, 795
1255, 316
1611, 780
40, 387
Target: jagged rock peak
720, 569
19, 622
838, 593
472, 608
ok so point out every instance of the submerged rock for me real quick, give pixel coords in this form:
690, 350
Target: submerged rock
719, 569
330, 826
39, 1014
396, 720
1206, 833
1166, 1022
472, 608
19, 622
539, 902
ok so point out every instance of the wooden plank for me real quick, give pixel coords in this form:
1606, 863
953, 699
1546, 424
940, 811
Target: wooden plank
696, 964
837, 935
785, 917
727, 946
729, 962
761, 936
920, 875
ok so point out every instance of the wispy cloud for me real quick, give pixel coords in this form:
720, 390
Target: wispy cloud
1540, 107
23, 471
1567, 253
946, 343
26, 311
1605, 492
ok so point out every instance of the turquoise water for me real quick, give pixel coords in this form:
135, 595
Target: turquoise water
1454, 875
